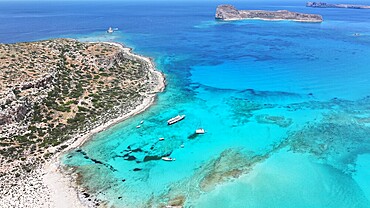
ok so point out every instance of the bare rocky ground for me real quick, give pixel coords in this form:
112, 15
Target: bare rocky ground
53, 92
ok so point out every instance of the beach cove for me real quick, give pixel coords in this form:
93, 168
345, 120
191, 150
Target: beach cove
63, 189
285, 107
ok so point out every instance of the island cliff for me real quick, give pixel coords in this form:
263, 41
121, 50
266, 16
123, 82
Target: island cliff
229, 12
327, 5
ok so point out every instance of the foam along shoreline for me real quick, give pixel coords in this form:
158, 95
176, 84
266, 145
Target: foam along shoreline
264, 19
63, 192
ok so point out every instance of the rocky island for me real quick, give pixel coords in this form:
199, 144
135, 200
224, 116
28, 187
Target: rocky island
327, 5
229, 12
53, 95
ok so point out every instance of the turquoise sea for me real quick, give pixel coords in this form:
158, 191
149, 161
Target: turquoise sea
285, 105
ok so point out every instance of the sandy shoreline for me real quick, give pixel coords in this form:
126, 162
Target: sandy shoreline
62, 192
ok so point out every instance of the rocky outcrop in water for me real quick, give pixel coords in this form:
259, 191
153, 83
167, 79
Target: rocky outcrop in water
345, 6
229, 12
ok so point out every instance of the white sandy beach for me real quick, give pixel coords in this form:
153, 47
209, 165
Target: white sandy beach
62, 191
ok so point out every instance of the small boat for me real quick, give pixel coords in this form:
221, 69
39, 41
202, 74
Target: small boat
141, 122
182, 146
161, 139
200, 131
138, 126
110, 30
168, 159
175, 119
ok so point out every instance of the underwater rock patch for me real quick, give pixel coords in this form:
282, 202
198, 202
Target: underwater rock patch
277, 120
192, 136
96, 161
137, 150
229, 164
151, 157
338, 144
177, 201
243, 108
130, 158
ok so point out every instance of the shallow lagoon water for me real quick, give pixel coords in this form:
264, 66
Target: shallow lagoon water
285, 106
282, 175
254, 86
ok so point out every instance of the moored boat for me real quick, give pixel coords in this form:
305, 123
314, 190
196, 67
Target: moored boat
175, 119
168, 159
110, 30
200, 131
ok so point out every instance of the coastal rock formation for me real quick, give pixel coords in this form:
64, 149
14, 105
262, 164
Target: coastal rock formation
345, 6
229, 12
52, 92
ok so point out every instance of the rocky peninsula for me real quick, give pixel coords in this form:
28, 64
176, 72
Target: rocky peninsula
229, 12
54, 95
327, 5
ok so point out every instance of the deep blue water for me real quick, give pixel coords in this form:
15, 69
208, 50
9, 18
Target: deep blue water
285, 105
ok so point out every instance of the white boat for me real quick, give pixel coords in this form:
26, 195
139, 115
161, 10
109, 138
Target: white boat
141, 122
175, 119
110, 30
161, 139
168, 159
138, 126
200, 131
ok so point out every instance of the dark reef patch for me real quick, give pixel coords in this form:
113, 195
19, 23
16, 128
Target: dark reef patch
130, 158
151, 157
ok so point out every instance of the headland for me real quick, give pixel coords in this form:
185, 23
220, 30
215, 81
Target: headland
54, 95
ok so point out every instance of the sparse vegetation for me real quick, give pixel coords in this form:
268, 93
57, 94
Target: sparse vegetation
54, 90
